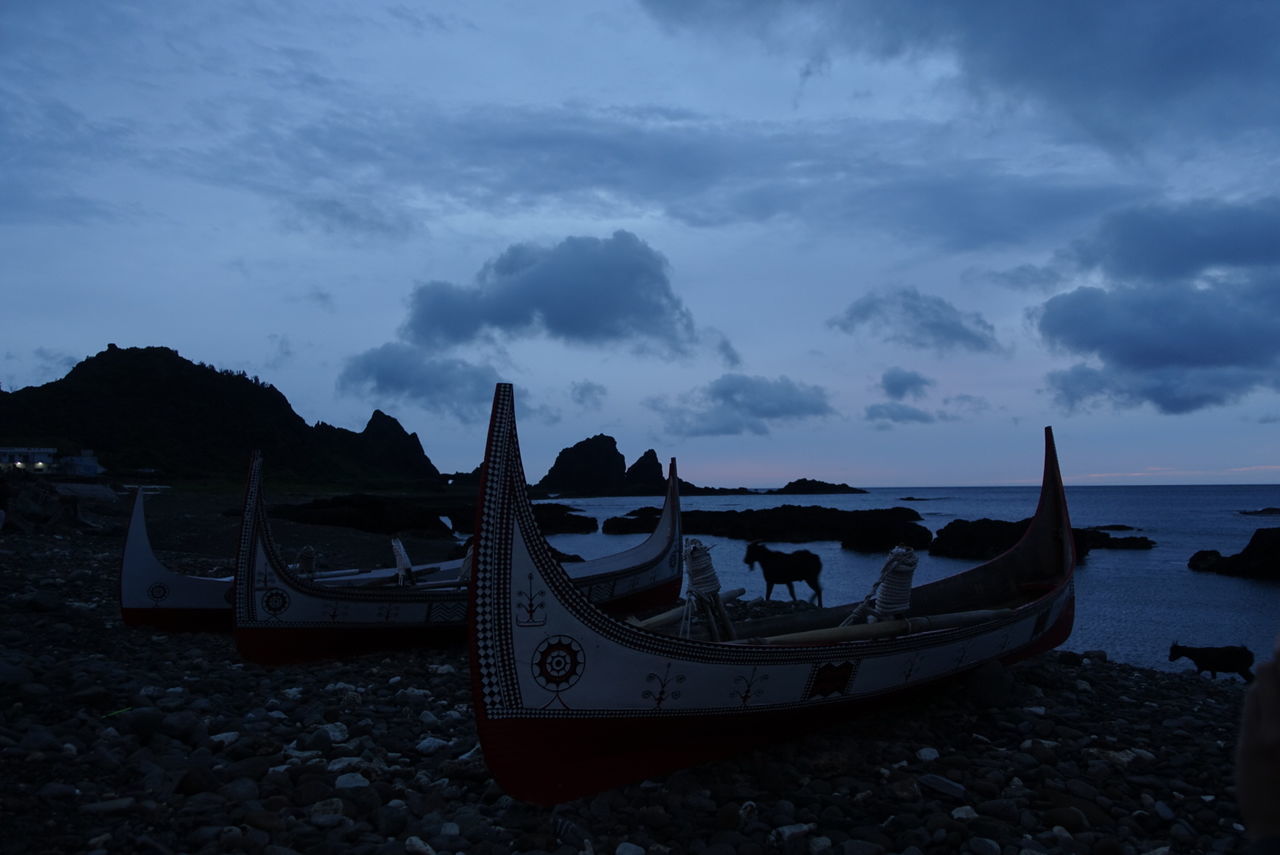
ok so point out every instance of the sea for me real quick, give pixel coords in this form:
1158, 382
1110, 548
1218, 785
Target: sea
1130, 603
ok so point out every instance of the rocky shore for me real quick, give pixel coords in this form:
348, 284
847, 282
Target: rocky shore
116, 740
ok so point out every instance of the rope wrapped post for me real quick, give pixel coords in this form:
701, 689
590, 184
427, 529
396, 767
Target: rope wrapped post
890, 596
404, 567
704, 591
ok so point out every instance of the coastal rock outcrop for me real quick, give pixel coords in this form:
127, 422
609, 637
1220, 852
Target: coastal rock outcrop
1260, 559
882, 529
984, 539
639, 521
562, 519
592, 467
645, 476
865, 531
978, 540
380, 514
810, 487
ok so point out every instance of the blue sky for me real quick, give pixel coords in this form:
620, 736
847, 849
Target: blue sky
873, 243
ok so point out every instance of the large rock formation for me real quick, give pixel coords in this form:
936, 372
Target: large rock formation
645, 477
592, 467
869, 530
984, 539
1260, 559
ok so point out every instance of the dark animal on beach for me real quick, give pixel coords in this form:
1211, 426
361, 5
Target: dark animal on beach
785, 568
1236, 659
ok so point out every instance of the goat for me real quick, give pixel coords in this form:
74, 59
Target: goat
785, 568
1228, 660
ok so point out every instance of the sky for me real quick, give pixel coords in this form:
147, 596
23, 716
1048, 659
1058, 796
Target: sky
875, 243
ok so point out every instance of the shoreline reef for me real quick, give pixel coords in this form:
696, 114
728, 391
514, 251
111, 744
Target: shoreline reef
114, 739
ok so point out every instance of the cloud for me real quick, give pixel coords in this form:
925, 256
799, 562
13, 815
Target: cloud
1172, 391
54, 362
1189, 317
1180, 67
352, 216
962, 405
1178, 241
899, 383
921, 321
281, 350
1024, 277
583, 290
898, 414
734, 404
383, 168
588, 395
397, 371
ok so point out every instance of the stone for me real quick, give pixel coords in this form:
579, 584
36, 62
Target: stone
939, 784
351, 780
984, 846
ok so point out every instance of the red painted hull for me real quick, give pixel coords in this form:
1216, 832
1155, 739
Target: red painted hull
624, 751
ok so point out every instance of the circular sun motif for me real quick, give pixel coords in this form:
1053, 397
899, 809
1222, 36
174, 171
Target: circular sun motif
275, 601
558, 663
158, 591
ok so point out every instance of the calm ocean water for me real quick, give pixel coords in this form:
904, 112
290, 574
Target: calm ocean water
1130, 603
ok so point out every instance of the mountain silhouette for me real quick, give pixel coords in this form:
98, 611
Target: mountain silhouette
147, 409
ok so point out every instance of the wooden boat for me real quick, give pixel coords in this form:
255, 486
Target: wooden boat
282, 617
154, 595
569, 701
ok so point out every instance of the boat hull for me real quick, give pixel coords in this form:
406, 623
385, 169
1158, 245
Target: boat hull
570, 701
281, 618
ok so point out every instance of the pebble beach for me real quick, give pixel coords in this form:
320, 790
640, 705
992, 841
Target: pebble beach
115, 740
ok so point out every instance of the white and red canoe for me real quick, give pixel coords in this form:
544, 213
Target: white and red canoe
154, 595
569, 701
281, 617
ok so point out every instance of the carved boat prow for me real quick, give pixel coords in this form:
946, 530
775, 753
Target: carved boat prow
570, 701
153, 595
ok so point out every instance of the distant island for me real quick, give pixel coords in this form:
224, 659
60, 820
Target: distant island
810, 487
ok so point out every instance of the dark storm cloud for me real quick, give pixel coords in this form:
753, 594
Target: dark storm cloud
1189, 317
734, 404
1176, 346
923, 321
588, 395
398, 371
1118, 68
898, 414
1170, 390
1161, 242
899, 383
583, 290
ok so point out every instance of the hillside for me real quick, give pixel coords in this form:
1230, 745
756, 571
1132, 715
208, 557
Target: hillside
147, 409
